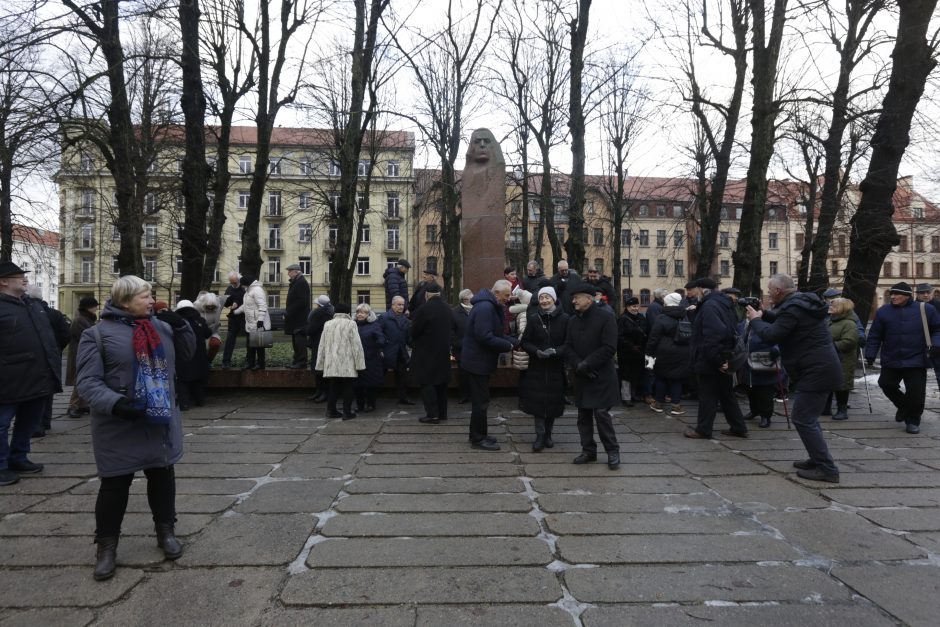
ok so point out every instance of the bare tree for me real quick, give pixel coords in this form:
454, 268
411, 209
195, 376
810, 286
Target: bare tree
447, 69
574, 245
873, 232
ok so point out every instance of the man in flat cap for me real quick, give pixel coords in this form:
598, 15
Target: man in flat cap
899, 332
295, 316
395, 282
428, 278
29, 372
710, 347
590, 346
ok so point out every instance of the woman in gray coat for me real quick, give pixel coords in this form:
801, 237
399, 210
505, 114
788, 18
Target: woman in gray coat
126, 372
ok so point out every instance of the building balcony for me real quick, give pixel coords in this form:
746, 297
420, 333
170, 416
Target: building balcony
149, 244
273, 244
393, 216
392, 247
272, 278
84, 243
84, 277
84, 213
274, 212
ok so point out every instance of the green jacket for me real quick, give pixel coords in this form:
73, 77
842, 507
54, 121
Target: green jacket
845, 337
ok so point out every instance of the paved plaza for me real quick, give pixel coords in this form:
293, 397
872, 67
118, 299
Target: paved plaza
292, 519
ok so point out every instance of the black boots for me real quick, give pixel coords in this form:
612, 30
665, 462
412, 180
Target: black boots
543, 434
842, 413
166, 540
106, 558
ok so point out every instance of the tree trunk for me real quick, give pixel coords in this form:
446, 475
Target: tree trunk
574, 245
6, 207
873, 232
452, 273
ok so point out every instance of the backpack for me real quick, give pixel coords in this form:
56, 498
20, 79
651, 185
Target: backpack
683, 333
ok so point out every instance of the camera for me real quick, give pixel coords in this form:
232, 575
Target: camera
753, 301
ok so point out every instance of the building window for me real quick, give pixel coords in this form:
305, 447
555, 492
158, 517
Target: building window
274, 300
304, 233
723, 214
305, 265
725, 268
362, 201
644, 237
274, 203
798, 240
902, 270
918, 243
599, 265
772, 241
362, 266
87, 274
86, 162
515, 207
391, 203
661, 238
598, 236
917, 213
179, 232
332, 233
393, 168
678, 238
150, 236
771, 214
561, 209
366, 231
275, 166
274, 270
115, 233
724, 239
391, 262
841, 245
365, 168
274, 237
661, 267
888, 269
627, 269
834, 268
334, 199
644, 297
86, 237
244, 164
644, 267
150, 268
243, 196
919, 270
431, 263
935, 270
88, 202
935, 243
363, 297
515, 235
902, 247
305, 201
335, 169
626, 238
306, 169
115, 265
677, 211
560, 234
392, 238
150, 203
643, 211
590, 207
238, 231
678, 268
660, 211
773, 268
179, 264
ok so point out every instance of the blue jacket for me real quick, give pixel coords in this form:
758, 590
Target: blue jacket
799, 327
899, 333
30, 358
397, 331
713, 330
484, 339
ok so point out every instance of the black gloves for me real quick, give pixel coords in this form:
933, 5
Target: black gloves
584, 370
125, 409
260, 324
513, 340
545, 354
172, 318
934, 351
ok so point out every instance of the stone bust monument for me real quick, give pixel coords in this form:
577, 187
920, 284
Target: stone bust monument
483, 206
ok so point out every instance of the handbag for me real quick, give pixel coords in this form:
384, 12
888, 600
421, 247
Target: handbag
761, 361
260, 338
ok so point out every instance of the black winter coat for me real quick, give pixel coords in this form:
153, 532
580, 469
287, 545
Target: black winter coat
561, 284
82, 321
631, 346
234, 297
484, 340
30, 358
373, 341
672, 360
713, 331
460, 316
756, 344
603, 286
298, 305
798, 326
197, 368
432, 329
532, 283
592, 339
395, 285
653, 311
542, 386
315, 321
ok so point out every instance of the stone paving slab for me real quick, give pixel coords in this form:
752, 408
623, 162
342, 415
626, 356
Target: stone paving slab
219, 596
18, 502
906, 519
52, 617
762, 492
884, 480
307, 466
600, 469
81, 524
392, 616
434, 485
29, 551
473, 616
33, 484
785, 615
250, 540
723, 464
796, 454
885, 497
391, 503
672, 548
637, 503
226, 471
480, 469
371, 586
452, 524
461, 457
185, 503
453, 551
646, 524
285, 497
71, 586
703, 583
900, 589
617, 485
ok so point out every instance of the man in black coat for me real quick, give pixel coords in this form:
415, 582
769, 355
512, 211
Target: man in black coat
30, 371
295, 317
461, 314
798, 325
561, 281
590, 345
428, 278
395, 282
322, 314
60, 329
432, 330
601, 284
234, 297
533, 274
714, 330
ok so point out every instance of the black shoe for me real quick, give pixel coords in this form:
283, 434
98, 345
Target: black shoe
538, 444
368, 409
806, 464
912, 429
613, 461
8, 477
313, 397
748, 416
105, 558
429, 420
898, 416
39, 434
585, 458
405, 401
841, 414
629, 403
75, 413
764, 422
349, 416
695, 435
549, 443
735, 434
486, 445
817, 474
333, 414
86, 410
166, 540
25, 468
568, 401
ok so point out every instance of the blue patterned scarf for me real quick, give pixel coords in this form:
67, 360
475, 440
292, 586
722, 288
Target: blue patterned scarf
151, 376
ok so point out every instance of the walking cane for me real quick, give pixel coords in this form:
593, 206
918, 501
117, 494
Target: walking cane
865, 379
783, 395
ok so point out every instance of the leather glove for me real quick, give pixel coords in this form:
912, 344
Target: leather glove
172, 318
584, 370
545, 354
260, 324
513, 340
935, 351
126, 409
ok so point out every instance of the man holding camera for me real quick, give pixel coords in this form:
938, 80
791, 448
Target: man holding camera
903, 330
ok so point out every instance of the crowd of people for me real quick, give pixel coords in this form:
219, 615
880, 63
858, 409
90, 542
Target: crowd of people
135, 364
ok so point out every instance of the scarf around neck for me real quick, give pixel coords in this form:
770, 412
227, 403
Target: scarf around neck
151, 376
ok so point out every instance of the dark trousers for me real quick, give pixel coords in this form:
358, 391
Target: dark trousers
47, 413
192, 393
28, 418
804, 414
715, 389
365, 397
255, 356
910, 403
340, 386
236, 327
112, 500
605, 430
668, 387
435, 400
401, 379
463, 383
479, 404
299, 343
842, 398
761, 400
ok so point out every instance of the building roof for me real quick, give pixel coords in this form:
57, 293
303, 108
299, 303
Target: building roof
292, 136
33, 235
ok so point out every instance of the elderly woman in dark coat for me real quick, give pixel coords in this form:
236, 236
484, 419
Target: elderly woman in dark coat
670, 347
631, 348
126, 372
373, 341
542, 385
431, 331
86, 318
316, 320
193, 373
